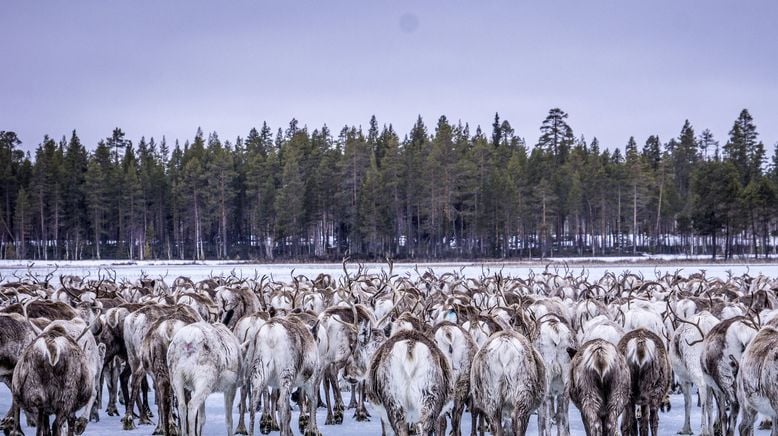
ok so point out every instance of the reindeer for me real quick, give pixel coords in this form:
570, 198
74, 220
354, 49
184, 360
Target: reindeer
234, 302
600, 327
722, 349
136, 326
459, 348
685, 351
111, 335
555, 337
757, 379
153, 357
201, 359
508, 376
285, 357
650, 375
599, 386
409, 381
54, 377
356, 369
246, 330
341, 332
16, 334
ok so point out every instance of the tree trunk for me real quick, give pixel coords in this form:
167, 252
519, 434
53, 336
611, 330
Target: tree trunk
635, 221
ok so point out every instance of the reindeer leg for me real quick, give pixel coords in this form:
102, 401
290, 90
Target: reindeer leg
519, 422
747, 421
285, 412
687, 408
563, 421
160, 399
113, 385
229, 399
44, 429
197, 399
326, 381
456, 417
361, 414
734, 411
253, 406
127, 421
338, 412
495, 420
543, 416
145, 411
124, 380
274, 406
265, 422
241, 429
100, 383
645, 411
310, 394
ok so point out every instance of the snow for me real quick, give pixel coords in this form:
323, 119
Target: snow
595, 267
670, 422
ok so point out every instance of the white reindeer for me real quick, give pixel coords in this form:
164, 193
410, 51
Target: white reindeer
203, 358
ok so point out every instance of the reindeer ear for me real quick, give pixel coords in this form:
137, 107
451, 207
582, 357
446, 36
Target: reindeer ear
571, 352
315, 330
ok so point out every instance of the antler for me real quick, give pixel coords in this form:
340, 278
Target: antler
695, 324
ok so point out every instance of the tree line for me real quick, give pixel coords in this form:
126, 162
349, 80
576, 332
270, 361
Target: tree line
445, 192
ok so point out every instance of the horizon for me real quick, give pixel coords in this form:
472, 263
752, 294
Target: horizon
157, 70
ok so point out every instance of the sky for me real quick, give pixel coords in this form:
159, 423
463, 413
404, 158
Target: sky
163, 68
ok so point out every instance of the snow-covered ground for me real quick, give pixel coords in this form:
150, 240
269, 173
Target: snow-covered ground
594, 267
670, 422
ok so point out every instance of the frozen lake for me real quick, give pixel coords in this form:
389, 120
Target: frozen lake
595, 267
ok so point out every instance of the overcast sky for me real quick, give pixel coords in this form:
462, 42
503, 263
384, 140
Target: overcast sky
155, 68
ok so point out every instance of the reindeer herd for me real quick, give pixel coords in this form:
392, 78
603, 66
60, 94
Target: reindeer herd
422, 349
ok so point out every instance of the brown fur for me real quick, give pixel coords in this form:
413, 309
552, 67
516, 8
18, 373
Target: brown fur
599, 388
649, 382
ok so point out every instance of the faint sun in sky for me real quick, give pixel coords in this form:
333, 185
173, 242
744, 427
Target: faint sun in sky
409, 22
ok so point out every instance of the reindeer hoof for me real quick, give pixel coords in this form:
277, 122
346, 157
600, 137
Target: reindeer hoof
329, 420
94, 416
80, 425
8, 426
312, 433
111, 410
361, 415
158, 430
7, 423
337, 417
766, 424
144, 420
686, 431
302, 423
265, 424
127, 423
241, 429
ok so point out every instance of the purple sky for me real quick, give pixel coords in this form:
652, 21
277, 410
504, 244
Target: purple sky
158, 68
